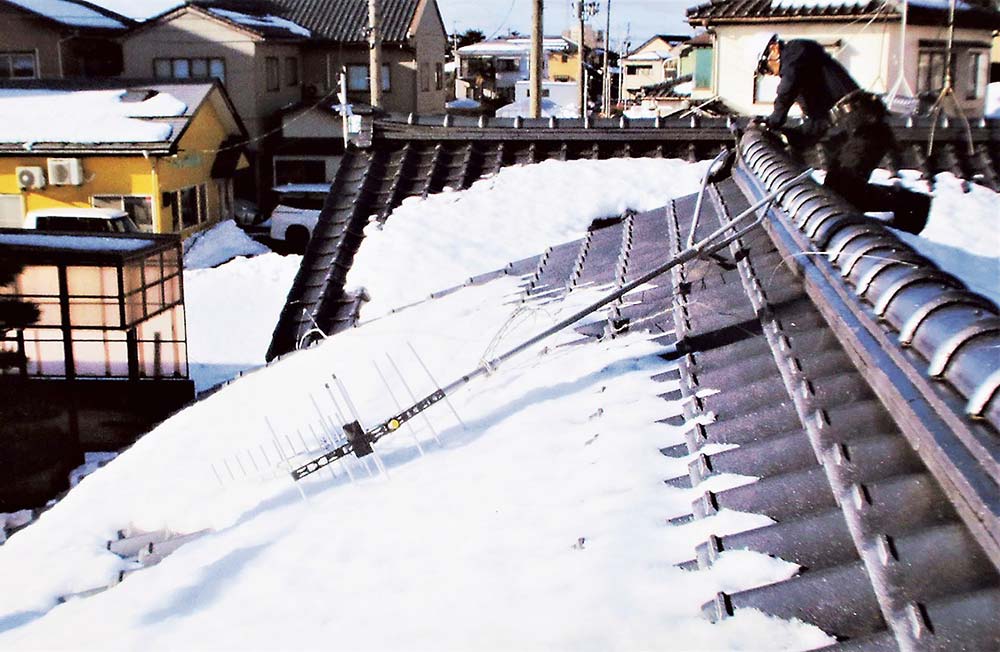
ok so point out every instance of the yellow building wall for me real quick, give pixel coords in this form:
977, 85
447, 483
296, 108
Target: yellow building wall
569, 69
134, 175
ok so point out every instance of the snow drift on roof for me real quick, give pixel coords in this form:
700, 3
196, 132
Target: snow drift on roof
515, 47
138, 10
51, 116
70, 13
549, 110
254, 22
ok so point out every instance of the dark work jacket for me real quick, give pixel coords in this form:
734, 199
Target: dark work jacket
812, 78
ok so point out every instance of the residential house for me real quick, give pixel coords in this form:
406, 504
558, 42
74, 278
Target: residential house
690, 90
257, 57
883, 53
291, 53
45, 39
654, 62
490, 70
165, 152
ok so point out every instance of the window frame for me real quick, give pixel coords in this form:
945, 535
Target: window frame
386, 78
439, 75
171, 64
291, 71
272, 74
425, 76
7, 68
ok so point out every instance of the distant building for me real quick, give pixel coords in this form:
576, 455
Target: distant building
167, 153
865, 37
654, 62
490, 70
46, 40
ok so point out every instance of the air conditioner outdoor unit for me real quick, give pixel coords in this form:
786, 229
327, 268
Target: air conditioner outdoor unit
30, 177
65, 171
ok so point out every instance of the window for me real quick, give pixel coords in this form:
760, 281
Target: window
357, 77
18, 65
190, 68
304, 171
439, 76
11, 213
291, 71
272, 74
425, 77
977, 75
930, 71
643, 71
190, 206
140, 209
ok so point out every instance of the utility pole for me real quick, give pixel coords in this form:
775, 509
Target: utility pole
579, 73
606, 79
535, 86
375, 52
583, 10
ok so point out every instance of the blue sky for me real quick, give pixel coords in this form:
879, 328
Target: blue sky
642, 18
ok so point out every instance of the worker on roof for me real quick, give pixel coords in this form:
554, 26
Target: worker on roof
854, 120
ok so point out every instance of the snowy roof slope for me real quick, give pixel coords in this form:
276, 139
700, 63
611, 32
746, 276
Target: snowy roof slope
71, 13
272, 25
138, 10
86, 116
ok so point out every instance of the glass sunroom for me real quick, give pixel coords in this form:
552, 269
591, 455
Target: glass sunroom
110, 306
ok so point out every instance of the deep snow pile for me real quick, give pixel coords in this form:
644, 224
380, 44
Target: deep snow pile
219, 245
439, 242
231, 310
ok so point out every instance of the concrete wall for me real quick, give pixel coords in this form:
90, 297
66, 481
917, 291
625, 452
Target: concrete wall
870, 56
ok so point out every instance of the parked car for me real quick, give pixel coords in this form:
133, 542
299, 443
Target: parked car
82, 220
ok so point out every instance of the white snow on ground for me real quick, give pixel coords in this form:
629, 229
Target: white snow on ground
231, 310
540, 525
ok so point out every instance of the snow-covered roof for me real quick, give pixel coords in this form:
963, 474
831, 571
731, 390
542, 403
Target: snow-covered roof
86, 116
88, 243
463, 103
652, 55
138, 9
513, 47
71, 13
267, 23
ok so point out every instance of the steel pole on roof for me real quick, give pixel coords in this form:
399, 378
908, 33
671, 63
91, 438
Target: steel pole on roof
535, 98
375, 52
579, 72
